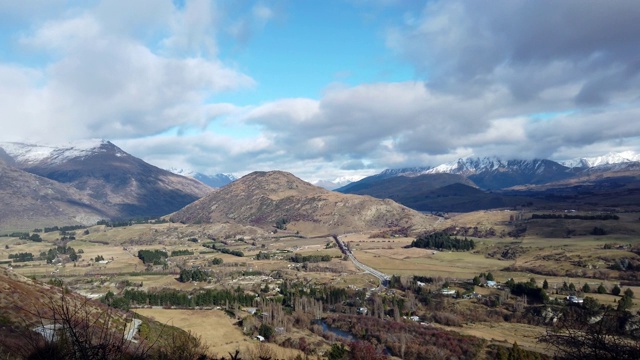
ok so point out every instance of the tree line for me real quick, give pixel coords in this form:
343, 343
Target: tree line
171, 297
187, 275
21, 257
298, 258
576, 217
223, 250
155, 257
442, 241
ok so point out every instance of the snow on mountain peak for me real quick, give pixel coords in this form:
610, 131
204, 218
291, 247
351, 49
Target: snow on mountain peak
32, 153
468, 166
182, 171
607, 159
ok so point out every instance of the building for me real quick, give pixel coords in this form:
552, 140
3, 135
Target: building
574, 299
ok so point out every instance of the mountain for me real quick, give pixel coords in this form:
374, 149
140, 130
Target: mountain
214, 181
490, 182
30, 201
407, 186
493, 173
486, 173
611, 158
336, 183
104, 172
366, 182
264, 198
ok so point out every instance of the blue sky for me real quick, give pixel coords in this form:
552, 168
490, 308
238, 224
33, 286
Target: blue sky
323, 89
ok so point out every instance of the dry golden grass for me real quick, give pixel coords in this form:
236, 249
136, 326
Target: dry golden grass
217, 330
505, 334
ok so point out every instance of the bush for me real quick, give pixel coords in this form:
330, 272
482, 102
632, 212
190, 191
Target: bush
266, 331
447, 319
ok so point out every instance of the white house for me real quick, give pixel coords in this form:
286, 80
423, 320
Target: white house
574, 299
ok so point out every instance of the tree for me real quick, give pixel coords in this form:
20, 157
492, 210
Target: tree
545, 284
628, 293
602, 289
35, 238
625, 303
337, 352
616, 290
586, 288
490, 277
266, 331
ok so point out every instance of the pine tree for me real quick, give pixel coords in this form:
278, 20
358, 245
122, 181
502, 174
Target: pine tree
616, 290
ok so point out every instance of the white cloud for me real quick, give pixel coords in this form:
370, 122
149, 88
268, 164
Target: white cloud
107, 83
193, 30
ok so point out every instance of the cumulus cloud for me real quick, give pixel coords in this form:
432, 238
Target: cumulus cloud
100, 78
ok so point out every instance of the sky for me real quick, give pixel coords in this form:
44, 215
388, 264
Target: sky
323, 89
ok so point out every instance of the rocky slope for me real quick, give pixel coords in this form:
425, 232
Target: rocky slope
30, 201
263, 198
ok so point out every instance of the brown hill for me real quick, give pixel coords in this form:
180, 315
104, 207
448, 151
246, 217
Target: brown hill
30, 201
264, 198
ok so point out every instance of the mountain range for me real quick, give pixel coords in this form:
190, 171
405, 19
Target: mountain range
483, 183
95, 179
212, 180
86, 181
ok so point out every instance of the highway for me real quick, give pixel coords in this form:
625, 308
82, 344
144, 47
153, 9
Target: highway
384, 278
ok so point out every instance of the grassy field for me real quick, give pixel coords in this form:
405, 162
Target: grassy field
505, 334
216, 329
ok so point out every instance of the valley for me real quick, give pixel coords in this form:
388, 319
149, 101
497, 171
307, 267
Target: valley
545, 252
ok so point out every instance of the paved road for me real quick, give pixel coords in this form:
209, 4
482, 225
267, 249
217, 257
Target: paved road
133, 329
384, 278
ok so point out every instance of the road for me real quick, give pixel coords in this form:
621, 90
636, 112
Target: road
384, 278
133, 330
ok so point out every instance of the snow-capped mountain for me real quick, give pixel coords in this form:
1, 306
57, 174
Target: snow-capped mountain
472, 166
608, 159
405, 171
213, 180
486, 173
127, 185
337, 182
32, 154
